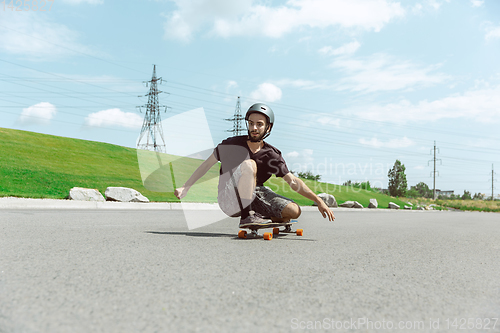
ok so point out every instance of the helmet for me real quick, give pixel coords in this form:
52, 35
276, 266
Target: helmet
261, 108
266, 111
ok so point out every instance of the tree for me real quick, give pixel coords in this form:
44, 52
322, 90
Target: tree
423, 190
466, 195
412, 193
397, 180
478, 196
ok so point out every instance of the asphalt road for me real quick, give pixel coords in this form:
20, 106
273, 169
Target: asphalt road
143, 271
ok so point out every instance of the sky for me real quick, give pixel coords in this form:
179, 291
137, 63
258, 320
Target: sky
354, 85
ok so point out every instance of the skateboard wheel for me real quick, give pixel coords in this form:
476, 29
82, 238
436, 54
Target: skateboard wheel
268, 236
300, 232
276, 231
242, 234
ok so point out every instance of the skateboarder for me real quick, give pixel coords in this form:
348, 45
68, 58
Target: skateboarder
247, 162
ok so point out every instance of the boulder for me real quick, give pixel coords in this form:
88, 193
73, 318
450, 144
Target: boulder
328, 199
407, 207
373, 203
85, 194
347, 204
357, 205
392, 205
124, 194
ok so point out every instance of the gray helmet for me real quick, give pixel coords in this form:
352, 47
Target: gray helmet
266, 111
263, 109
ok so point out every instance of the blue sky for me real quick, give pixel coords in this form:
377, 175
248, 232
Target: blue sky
354, 85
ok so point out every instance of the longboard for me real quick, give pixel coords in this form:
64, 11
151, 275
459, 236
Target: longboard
269, 235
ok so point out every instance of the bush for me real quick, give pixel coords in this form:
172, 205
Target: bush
308, 175
362, 185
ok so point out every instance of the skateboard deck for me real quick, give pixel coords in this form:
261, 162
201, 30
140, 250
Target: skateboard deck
269, 235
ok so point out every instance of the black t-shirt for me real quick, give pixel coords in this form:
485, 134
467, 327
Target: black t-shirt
233, 151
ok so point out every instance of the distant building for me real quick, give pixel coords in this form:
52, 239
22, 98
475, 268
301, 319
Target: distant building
445, 193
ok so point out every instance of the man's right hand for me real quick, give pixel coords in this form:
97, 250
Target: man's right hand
181, 192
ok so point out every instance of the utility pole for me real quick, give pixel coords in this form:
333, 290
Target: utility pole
237, 119
434, 172
492, 182
151, 127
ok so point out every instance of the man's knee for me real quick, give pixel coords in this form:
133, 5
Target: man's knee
249, 167
292, 211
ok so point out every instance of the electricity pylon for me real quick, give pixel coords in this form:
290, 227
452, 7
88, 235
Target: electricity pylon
237, 118
151, 137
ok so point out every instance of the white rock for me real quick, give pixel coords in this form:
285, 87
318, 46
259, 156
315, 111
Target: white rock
124, 194
392, 205
357, 205
328, 199
347, 204
85, 194
407, 207
373, 203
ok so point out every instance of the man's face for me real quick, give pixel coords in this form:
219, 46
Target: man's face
257, 124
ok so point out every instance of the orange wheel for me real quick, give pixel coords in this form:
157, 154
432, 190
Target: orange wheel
242, 234
300, 232
268, 236
276, 231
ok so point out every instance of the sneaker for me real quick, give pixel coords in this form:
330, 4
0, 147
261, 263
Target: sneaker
254, 219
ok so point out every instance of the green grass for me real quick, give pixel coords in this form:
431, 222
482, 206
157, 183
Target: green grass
36, 165
43, 166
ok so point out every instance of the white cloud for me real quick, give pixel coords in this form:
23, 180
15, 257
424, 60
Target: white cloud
492, 32
266, 92
477, 105
394, 143
477, 3
114, 117
37, 36
434, 4
77, 2
305, 155
427, 6
250, 17
293, 154
345, 49
300, 161
231, 84
381, 72
38, 114
417, 8
327, 120
304, 84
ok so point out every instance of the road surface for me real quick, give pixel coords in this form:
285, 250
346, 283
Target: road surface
144, 271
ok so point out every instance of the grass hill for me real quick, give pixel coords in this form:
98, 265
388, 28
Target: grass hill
34, 165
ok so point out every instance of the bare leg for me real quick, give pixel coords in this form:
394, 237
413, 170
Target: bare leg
291, 211
247, 182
